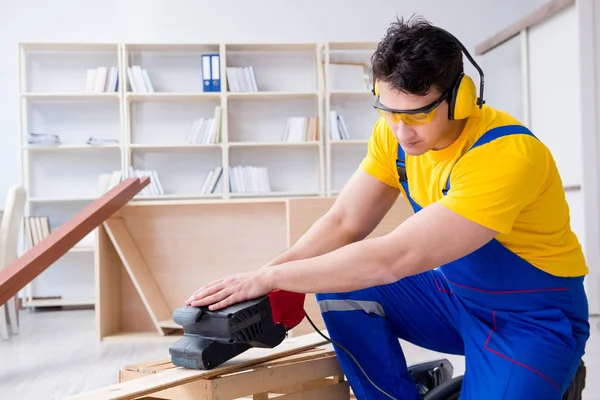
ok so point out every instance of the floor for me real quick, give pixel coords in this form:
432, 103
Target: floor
57, 355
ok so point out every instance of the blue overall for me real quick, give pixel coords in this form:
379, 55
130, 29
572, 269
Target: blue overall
522, 331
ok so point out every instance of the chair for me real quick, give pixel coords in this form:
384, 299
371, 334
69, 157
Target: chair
12, 221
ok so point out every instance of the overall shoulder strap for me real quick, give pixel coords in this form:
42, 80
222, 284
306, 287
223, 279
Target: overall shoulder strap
493, 134
401, 167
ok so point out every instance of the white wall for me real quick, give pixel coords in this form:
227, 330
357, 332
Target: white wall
217, 21
588, 18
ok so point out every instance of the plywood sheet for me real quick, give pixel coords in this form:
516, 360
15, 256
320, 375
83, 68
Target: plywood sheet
185, 246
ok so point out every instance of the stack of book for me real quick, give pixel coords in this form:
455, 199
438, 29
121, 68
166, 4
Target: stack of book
206, 130
36, 229
101, 80
43, 138
212, 178
249, 179
301, 129
337, 127
241, 79
94, 141
139, 80
154, 188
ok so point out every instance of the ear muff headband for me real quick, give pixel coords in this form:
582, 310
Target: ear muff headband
463, 95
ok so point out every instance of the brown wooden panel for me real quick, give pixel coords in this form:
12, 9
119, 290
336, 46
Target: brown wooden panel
185, 246
139, 274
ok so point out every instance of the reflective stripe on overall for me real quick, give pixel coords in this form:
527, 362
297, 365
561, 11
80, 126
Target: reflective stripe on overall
522, 330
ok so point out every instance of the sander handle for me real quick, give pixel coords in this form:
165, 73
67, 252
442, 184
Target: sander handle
287, 308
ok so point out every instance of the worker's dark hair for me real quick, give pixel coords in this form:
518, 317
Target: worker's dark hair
414, 56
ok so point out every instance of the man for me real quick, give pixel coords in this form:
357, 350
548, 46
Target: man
491, 214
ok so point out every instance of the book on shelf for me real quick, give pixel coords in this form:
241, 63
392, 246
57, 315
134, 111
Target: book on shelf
139, 80
211, 72
212, 178
301, 129
102, 80
50, 139
337, 126
241, 79
45, 139
154, 188
249, 179
95, 141
206, 130
37, 228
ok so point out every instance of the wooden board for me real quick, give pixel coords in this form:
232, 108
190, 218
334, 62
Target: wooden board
297, 373
180, 376
24, 269
136, 267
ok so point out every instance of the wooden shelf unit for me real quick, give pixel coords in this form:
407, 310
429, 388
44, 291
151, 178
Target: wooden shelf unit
152, 128
60, 179
348, 96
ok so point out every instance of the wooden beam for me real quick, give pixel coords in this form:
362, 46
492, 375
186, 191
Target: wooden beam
537, 16
24, 269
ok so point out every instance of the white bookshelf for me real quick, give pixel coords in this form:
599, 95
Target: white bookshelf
348, 95
153, 120
61, 179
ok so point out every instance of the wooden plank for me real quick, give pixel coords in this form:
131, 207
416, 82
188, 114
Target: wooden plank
138, 272
537, 16
152, 367
265, 380
24, 269
179, 376
338, 391
311, 354
306, 385
108, 268
249, 383
169, 323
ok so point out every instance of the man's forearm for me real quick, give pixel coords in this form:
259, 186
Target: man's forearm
430, 238
325, 235
355, 266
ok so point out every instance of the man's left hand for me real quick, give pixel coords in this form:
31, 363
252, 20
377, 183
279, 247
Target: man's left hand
231, 290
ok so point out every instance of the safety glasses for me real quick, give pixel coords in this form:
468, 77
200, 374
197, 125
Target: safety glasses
418, 116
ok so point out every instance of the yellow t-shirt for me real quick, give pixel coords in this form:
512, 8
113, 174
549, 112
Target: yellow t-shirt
510, 185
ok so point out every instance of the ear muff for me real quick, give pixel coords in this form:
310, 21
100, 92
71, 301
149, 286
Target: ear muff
375, 89
462, 98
